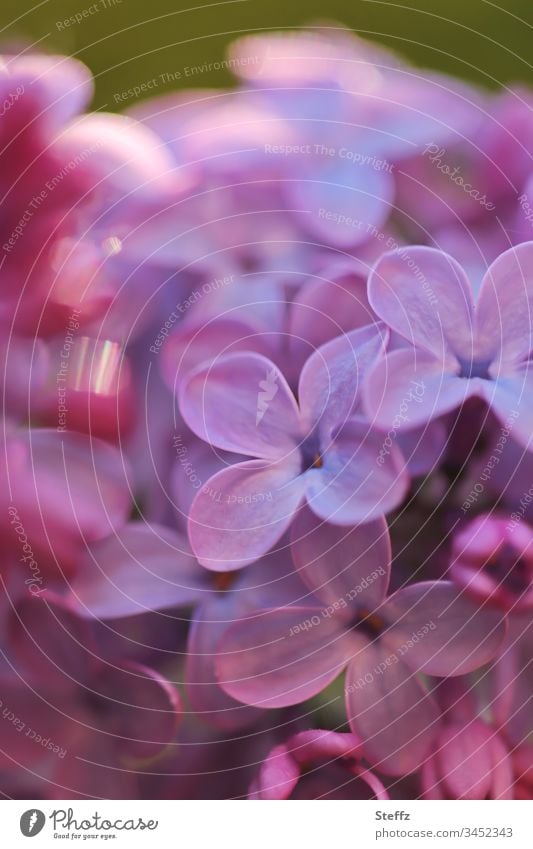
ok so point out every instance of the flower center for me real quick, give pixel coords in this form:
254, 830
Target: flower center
471, 368
311, 454
368, 623
224, 581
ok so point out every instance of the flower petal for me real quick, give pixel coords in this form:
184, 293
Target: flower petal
242, 403
410, 387
138, 569
332, 377
282, 657
505, 307
439, 631
389, 710
242, 511
205, 695
141, 709
340, 205
424, 295
353, 486
343, 566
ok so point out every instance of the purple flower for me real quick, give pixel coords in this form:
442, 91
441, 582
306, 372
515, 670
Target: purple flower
319, 450
292, 653
454, 347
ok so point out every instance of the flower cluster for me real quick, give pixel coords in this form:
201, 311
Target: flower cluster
267, 405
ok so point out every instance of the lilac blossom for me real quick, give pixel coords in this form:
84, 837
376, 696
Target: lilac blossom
320, 451
457, 348
383, 643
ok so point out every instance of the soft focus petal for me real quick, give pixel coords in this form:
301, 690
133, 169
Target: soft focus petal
389, 710
342, 566
140, 568
282, 657
206, 697
141, 709
438, 630
341, 204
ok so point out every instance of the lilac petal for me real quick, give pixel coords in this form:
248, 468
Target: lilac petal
241, 403
332, 377
328, 307
206, 697
425, 296
282, 657
439, 631
389, 710
242, 511
197, 462
347, 567
409, 388
352, 486
138, 569
510, 399
197, 343
505, 305
465, 758
141, 709
340, 204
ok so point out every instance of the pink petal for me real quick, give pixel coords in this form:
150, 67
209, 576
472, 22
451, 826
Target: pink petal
332, 377
389, 710
242, 403
282, 657
205, 695
409, 388
425, 296
505, 305
243, 511
439, 631
510, 399
141, 709
138, 569
348, 567
340, 205
328, 306
465, 758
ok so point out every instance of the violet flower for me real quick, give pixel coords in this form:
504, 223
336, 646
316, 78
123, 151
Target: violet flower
457, 347
319, 451
292, 653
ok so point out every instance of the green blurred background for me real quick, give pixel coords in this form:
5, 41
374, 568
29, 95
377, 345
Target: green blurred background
129, 42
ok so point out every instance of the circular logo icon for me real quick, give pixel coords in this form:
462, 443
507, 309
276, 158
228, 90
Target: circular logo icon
32, 822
